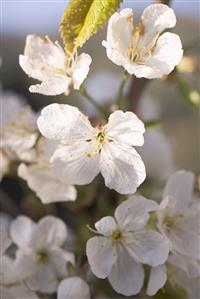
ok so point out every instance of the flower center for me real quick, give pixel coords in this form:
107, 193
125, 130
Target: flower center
116, 235
100, 137
42, 257
168, 223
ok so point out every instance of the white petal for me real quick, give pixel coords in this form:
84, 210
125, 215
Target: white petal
133, 213
101, 254
121, 167
19, 292
179, 188
120, 28
44, 279
47, 187
60, 121
59, 259
166, 55
42, 58
106, 225
44, 50
22, 230
80, 69
51, 231
127, 276
73, 288
4, 233
158, 17
4, 164
73, 165
125, 127
52, 86
158, 278
148, 247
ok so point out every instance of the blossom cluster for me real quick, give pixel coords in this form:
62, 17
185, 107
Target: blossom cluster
61, 148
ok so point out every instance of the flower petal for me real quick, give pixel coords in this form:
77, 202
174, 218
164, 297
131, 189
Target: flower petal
106, 226
133, 213
73, 165
120, 28
60, 121
125, 127
59, 259
18, 292
73, 288
121, 167
52, 86
41, 57
158, 278
101, 254
80, 69
148, 247
179, 188
158, 17
166, 55
51, 231
44, 279
126, 276
22, 230
47, 187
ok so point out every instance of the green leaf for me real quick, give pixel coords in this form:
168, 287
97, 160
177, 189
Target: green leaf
82, 19
153, 124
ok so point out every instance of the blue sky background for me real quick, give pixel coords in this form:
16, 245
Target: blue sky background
40, 16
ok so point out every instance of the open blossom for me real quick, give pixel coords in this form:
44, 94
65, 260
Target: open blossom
178, 220
73, 288
141, 50
19, 131
41, 179
84, 151
10, 286
46, 61
40, 259
124, 243
178, 215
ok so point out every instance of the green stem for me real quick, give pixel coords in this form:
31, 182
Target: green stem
121, 97
88, 97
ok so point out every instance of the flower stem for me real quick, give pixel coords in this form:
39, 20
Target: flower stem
121, 96
88, 97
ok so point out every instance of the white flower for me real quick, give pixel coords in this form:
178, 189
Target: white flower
141, 50
178, 215
84, 151
19, 131
125, 244
46, 61
9, 277
4, 164
180, 271
73, 288
40, 259
41, 179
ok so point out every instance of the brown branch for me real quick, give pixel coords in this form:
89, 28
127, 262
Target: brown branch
138, 85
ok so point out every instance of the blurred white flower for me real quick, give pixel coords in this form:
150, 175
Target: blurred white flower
125, 244
4, 164
39, 259
19, 131
10, 286
155, 142
46, 61
73, 288
41, 179
141, 50
178, 215
180, 271
84, 151
178, 220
